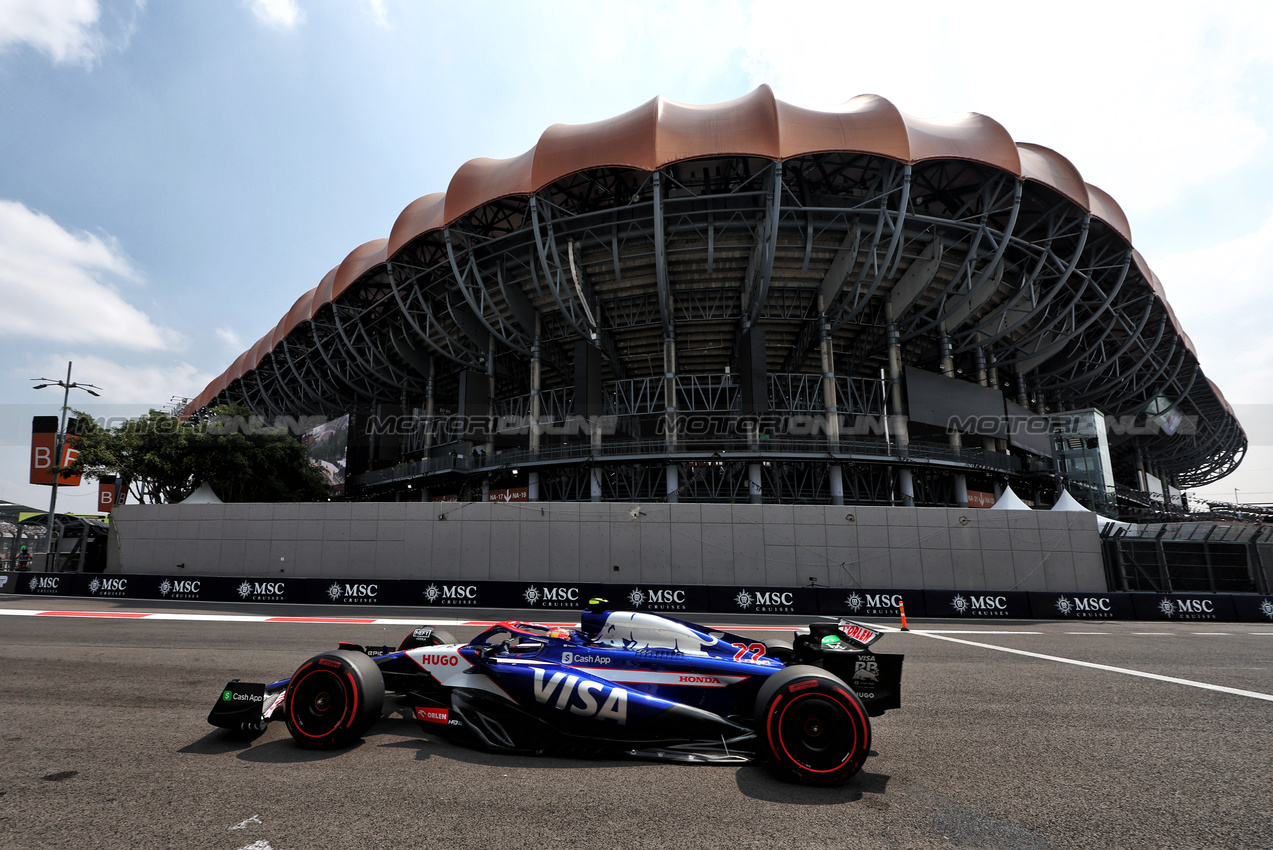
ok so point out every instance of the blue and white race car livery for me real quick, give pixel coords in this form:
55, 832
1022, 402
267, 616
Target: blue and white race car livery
623, 682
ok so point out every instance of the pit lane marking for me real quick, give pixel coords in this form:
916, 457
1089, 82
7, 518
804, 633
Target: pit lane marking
1106, 667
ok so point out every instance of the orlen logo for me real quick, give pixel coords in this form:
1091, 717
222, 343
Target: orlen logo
985, 606
432, 715
451, 594
552, 597
656, 599
108, 586
583, 697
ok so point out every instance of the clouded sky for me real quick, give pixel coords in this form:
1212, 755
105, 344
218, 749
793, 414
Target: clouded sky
174, 175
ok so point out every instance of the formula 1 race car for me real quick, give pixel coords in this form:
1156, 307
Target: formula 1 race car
624, 682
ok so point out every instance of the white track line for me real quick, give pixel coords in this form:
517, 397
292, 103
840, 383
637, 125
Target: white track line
363, 621
242, 618
1105, 667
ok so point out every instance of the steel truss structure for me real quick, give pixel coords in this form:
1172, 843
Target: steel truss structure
770, 285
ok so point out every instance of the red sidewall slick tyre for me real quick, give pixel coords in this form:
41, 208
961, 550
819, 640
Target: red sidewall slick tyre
815, 729
333, 699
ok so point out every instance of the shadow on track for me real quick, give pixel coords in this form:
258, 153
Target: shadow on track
755, 781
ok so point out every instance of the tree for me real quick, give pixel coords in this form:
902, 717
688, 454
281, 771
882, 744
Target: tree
161, 458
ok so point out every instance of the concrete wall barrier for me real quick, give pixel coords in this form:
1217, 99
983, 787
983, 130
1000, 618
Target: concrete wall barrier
609, 543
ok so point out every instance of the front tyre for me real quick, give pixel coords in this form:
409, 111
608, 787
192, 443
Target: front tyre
814, 728
333, 698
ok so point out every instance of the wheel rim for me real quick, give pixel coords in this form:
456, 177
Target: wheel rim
316, 703
816, 731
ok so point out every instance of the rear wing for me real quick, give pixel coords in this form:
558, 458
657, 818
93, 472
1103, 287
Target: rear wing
844, 649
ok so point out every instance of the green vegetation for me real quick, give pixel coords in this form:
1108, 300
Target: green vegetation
161, 458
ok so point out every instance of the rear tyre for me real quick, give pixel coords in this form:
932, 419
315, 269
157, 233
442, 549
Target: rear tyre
814, 728
333, 698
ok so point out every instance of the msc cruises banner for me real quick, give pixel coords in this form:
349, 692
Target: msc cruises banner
1082, 606
561, 601
865, 602
978, 604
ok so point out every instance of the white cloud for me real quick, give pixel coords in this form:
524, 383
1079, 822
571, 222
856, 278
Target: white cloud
53, 284
151, 384
1147, 106
66, 30
1222, 297
378, 12
230, 339
280, 14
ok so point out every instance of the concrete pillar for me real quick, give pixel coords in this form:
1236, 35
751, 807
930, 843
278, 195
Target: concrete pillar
754, 490
956, 439
595, 478
983, 378
669, 412
492, 419
898, 422
906, 486
831, 407
532, 486
836, 480
429, 410
536, 383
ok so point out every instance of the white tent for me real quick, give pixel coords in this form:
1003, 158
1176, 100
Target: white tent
1103, 522
1010, 501
1068, 503
203, 495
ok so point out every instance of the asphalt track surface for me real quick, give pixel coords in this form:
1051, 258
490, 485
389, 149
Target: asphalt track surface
103, 743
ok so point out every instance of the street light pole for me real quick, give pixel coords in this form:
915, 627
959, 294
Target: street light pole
59, 440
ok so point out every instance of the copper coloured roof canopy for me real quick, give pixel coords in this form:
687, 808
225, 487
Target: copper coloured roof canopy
662, 132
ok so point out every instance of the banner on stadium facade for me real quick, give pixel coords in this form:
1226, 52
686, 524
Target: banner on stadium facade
512, 494
44, 444
109, 493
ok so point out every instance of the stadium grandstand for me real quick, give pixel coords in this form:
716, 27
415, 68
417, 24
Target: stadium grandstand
753, 302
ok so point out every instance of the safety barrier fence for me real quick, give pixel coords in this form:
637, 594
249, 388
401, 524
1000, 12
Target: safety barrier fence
560, 600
